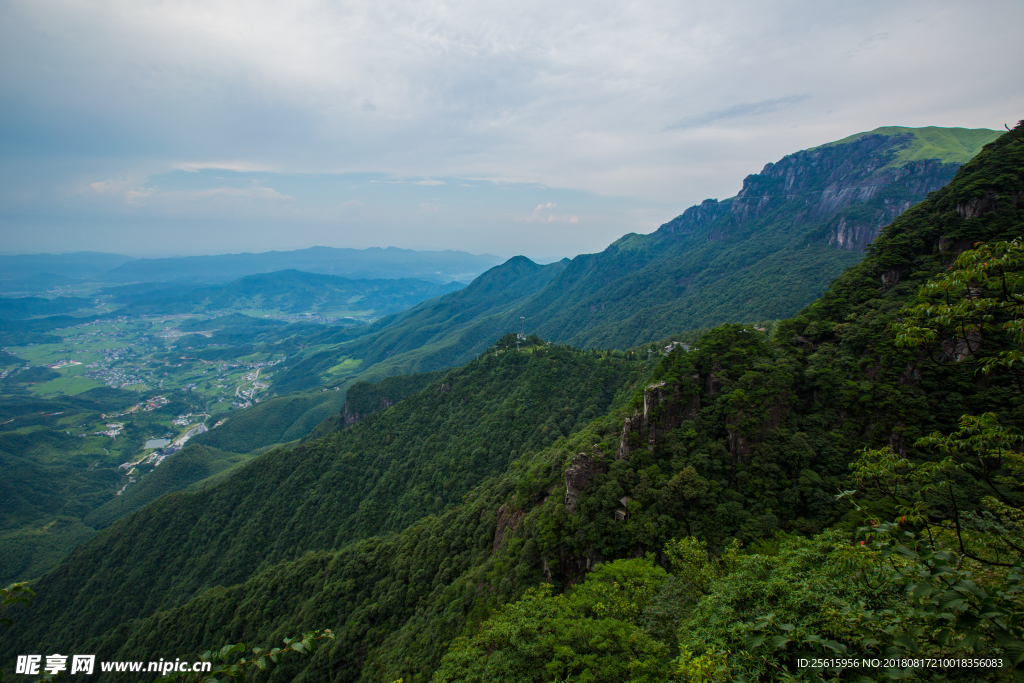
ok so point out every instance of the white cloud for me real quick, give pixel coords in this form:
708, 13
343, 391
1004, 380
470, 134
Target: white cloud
542, 214
134, 192
237, 166
427, 207
110, 186
253, 193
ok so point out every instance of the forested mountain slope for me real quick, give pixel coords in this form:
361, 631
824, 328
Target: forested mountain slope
745, 436
761, 255
381, 475
441, 332
213, 456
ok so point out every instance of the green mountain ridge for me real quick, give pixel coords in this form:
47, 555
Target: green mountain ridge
426, 466
437, 333
743, 437
761, 255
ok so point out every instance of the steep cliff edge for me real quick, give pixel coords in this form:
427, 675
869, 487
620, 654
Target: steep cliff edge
844, 193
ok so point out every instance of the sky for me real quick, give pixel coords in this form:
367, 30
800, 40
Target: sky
528, 127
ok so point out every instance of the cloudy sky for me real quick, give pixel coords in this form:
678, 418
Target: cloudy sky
534, 127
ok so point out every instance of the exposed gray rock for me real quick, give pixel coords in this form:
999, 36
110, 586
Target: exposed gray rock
664, 410
581, 470
826, 181
507, 520
350, 417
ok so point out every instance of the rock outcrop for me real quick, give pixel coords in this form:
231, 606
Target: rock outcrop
852, 190
581, 470
507, 520
664, 409
350, 417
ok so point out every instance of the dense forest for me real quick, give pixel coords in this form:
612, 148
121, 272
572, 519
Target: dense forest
843, 483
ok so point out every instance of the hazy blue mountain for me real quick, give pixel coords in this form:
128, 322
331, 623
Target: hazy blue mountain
287, 291
36, 272
373, 263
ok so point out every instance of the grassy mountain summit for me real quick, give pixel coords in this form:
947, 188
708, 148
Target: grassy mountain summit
425, 544
948, 145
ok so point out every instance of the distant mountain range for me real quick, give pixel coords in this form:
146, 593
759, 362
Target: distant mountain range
761, 255
36, 272
285, 291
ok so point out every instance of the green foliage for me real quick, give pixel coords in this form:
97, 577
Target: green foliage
14, 594
973, 310
231, 664
588, 636
767, 611
692, 565
960, 568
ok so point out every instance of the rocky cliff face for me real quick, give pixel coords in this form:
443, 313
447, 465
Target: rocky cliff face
350, 416
664, 408
581, 470
844, 193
